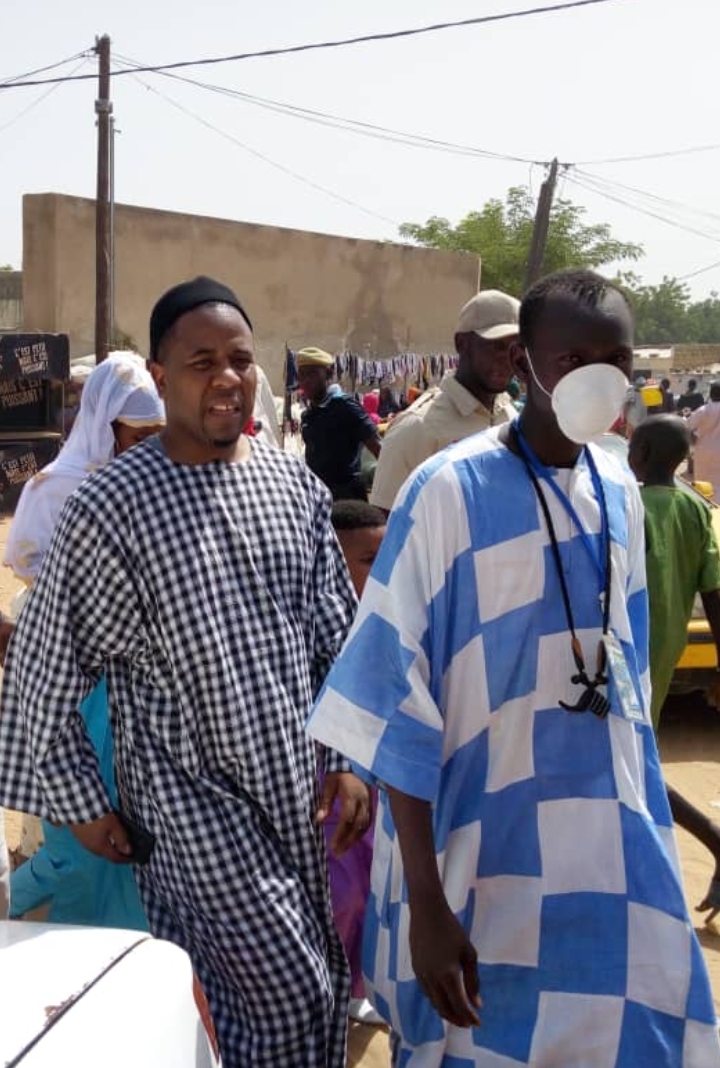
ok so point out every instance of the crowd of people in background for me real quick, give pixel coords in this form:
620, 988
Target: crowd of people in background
442, 810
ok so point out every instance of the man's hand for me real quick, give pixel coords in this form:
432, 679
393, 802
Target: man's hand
355, 808
6, 629
105, 837
445, 963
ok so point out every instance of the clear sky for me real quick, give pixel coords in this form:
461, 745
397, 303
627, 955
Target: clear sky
627, 77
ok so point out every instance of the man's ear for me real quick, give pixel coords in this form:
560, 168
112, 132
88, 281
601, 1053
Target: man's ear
519, 361
158, 374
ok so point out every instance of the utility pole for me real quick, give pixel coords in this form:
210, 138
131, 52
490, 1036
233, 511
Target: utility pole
538, 243
103, 217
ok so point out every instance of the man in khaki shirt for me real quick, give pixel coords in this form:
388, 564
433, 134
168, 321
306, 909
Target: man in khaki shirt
466, 402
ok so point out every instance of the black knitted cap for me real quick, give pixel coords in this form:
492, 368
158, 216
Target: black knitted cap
183, 298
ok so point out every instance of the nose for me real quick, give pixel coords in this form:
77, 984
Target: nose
226, 377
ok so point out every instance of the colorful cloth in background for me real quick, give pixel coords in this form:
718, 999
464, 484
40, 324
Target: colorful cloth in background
553, 832
349, 890
682, 560
371, 403
80, 887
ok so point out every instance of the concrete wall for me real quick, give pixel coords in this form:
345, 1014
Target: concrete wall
11, 300
695, 357
371, 297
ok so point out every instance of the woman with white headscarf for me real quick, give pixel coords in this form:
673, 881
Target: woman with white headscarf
119, 408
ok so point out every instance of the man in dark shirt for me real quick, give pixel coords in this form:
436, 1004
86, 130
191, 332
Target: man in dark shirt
668, 401
692, 399
334, 427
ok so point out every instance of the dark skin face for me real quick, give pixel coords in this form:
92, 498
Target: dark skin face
657, 448
567, 335
484, 367
127, 436
207, 377
314, 382
360, 547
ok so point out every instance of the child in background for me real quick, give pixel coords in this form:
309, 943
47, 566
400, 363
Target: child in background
360, 528
682, 559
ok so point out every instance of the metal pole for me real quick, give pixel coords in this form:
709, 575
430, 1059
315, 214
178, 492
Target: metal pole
103, 110
538, 244
111, 309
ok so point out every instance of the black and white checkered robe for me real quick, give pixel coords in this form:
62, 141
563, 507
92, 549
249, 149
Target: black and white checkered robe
214, 598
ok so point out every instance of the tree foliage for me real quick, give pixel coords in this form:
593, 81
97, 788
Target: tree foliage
665, 314
500, 234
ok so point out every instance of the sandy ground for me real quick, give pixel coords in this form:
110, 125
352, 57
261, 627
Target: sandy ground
690, 750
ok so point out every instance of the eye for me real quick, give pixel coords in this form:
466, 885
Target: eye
201, 365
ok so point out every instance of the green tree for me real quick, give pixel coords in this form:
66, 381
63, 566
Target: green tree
500, 234
703, 320
661, 312
665, 315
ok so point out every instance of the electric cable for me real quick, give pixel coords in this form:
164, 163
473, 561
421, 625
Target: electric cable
315, 46
674, 205
699, 271
326, 119
666, 154
38, 100
599, 191
7, 81
266, 159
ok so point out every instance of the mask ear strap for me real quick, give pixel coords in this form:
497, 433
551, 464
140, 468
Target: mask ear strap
535, 378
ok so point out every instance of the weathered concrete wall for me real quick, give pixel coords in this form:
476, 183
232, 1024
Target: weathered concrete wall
11, 300
301, 288
695, 357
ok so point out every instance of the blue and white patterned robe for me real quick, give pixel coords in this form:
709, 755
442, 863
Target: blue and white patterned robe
553, 833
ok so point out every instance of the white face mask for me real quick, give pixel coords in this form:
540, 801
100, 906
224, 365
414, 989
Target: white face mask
586, 401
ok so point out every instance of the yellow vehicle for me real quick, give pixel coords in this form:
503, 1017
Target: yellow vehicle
696, 667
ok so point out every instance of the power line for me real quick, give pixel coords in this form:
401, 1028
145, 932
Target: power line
610, 193
329, 120
266, 159
40, 70
403, 137
38, 100
339, 43
649, 155
599, 191
701, 270
674, 205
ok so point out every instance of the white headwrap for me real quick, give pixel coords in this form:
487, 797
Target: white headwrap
119, 389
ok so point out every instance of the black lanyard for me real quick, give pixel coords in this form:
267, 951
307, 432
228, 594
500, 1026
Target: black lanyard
590, 699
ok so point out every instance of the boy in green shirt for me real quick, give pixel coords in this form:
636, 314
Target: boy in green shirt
682, 559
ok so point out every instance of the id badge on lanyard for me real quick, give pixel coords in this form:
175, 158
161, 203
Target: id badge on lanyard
630, 706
